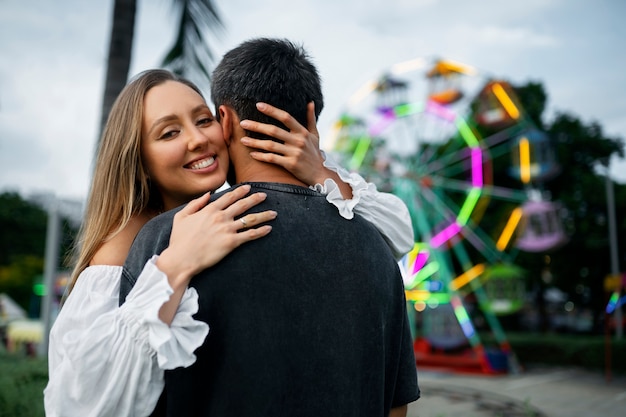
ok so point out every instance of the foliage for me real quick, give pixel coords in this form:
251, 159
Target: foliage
23, 228
190, 55
17, 278
533, 97
585, 351
22, 382
22, 245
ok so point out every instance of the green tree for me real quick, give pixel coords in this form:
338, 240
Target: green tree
23, 244
584, 262
578, 267
17, 278
190, 54
23, 228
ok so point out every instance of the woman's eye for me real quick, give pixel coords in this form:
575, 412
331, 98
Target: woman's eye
204, 121
169, 134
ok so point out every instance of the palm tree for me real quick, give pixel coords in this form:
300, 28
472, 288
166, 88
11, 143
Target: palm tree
190, 55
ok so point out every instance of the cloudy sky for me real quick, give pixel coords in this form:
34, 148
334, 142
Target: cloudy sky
53, 53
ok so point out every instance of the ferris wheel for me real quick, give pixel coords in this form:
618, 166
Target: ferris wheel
415, 131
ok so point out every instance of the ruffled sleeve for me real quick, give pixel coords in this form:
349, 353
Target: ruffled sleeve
106, 360
385, 211
174, 345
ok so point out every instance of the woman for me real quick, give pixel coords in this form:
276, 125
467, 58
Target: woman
161, 148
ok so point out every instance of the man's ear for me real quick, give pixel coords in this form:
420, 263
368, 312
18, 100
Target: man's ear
227, 118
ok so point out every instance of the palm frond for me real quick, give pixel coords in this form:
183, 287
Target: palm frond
191, 55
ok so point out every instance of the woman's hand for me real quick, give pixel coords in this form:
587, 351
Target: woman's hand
204, 233
299, 153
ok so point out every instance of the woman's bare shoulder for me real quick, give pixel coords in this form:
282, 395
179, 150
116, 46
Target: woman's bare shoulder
115, 249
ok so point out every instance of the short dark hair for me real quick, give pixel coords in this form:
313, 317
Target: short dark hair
275, 71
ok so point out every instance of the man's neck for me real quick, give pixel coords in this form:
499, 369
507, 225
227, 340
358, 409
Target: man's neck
265, 172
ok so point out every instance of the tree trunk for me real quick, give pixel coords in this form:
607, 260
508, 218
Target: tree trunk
120, 49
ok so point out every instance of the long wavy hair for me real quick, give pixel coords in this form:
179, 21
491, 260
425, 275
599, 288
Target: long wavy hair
120, 186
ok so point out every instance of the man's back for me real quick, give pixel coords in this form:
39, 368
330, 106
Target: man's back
308, 321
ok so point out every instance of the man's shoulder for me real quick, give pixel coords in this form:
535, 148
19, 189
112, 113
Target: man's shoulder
152, 239
159, 221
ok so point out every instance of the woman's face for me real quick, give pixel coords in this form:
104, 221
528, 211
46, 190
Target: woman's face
182, 145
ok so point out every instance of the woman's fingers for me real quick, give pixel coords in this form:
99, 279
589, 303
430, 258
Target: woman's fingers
268, 146
242, 205
252, 234
197, 203
297, 150
267, 129
232, 196
254, 219
233, 204
280, 115
312, 121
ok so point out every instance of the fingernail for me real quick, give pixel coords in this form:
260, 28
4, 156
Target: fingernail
244, 124
261, 106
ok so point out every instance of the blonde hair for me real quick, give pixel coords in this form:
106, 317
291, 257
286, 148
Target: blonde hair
120, 186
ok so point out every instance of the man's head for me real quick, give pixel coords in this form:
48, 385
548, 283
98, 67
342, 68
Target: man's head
275, 71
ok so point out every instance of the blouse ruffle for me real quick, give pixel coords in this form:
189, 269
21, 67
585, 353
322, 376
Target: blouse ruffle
174, 344
385, 211
106, 360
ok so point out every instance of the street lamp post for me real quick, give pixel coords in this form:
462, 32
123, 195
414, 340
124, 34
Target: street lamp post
610, 201
50, 271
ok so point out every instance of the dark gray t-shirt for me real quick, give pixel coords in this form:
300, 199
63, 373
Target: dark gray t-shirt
309, 320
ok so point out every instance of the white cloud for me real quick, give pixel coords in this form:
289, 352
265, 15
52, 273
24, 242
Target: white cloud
514, 37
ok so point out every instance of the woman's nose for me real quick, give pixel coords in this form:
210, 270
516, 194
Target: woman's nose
197, 138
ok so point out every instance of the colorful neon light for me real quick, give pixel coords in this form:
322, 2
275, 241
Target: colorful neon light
361, 150
440, 111
524, 160
445, 235
615, 302
420, 261
388, 116
477, 167
467, 276
468, 206
422, 295
409, 109
386, 119
505, 100
509, 229
466, 132
462, 317
426, 272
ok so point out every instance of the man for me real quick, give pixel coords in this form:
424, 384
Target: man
310, 320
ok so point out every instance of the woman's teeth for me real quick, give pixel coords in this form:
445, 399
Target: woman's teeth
202, 164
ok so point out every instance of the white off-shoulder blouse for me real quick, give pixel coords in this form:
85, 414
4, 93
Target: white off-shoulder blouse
106, 360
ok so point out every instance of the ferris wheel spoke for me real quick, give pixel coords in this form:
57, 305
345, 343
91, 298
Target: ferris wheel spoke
479, 240
509, 194
454, 157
